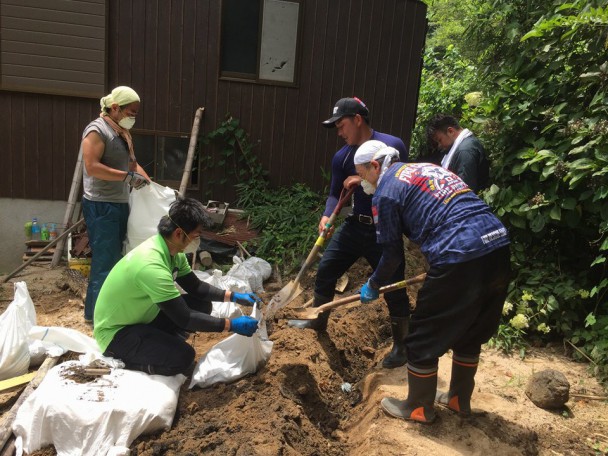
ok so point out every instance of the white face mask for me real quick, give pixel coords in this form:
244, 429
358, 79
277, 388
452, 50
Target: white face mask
192, 247
368, 188
127, 122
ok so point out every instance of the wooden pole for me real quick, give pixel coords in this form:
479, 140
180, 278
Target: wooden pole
69, 211
191, 150
48, 246
7, 427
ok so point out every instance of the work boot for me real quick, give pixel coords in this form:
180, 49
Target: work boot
319, 323
462, 383
398, 356
419, 403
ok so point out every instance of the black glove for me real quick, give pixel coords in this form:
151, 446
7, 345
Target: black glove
245, 299
136, 180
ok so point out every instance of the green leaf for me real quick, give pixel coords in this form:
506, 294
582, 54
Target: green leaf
568, 203
598, 260
590, 320
518, 169
517, 222
556, 213
537, 223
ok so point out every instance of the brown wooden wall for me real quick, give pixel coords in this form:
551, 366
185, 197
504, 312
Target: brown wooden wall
168, 51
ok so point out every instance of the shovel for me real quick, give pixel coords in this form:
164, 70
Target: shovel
289, 292
311, 313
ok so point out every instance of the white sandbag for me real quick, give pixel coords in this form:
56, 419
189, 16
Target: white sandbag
101, 417
65, 339
226, 309
15, 324
228, 282
147, 206
55, 341
254, 270
202, 275
38, 352
234, 357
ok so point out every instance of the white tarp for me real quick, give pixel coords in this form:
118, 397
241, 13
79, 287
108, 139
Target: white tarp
101, 417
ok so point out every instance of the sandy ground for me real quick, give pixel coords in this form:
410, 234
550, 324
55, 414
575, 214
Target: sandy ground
295, 405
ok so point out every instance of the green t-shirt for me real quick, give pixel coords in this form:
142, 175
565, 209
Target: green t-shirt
134, 287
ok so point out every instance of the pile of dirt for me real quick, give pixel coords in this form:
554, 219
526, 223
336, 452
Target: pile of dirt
319, 394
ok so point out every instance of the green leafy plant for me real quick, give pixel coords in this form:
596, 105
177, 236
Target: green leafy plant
544, 118
447, 78
236, 154
286, 217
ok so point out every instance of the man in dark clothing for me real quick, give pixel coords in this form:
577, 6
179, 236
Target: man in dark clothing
464, 154
356, 237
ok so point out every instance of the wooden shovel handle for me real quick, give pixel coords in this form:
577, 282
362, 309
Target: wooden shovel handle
321, 239
356, 297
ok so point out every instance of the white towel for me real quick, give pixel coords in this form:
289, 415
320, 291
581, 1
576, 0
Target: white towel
448, 158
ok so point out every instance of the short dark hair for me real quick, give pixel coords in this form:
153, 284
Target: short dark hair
185, 213
441, 122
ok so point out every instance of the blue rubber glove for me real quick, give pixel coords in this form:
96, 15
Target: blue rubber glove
246, 299
245, 326
369, 293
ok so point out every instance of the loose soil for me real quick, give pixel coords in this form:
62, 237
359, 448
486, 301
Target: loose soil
319, 394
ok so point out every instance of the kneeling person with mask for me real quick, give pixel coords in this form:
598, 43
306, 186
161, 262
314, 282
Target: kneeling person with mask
460, 302
141, 317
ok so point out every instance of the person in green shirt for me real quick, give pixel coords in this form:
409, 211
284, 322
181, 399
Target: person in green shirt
142, 318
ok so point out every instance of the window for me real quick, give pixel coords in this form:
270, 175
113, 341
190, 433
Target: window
164, 158
260, 40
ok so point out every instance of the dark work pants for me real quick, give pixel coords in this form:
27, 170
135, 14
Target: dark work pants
157, 347
107, 228
350, 242
458, 308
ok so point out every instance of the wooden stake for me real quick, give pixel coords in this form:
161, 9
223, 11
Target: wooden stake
590, 397
191, 150
69, 211
243, 248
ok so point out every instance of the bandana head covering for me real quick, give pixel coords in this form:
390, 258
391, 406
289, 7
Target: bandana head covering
121, 95
366, 151
376, 151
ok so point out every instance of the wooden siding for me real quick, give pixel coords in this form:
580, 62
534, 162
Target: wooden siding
168, 51
53, 46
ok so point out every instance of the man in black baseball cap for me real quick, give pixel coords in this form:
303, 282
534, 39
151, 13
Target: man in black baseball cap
356, 237
347, 107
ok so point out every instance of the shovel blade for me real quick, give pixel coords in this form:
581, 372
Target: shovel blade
304, 313
285, 295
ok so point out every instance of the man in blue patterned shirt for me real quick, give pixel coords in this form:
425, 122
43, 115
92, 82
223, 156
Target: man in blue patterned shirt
460, 303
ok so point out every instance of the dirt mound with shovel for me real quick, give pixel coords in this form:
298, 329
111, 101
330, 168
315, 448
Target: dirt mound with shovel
319, 394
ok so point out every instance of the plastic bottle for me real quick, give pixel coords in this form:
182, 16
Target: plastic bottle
53, 232
35, 230
28, 231
44, 232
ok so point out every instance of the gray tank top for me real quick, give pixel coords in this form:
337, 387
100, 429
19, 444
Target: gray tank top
115, 155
